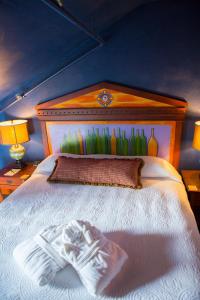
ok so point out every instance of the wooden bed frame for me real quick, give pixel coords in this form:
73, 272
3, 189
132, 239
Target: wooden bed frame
121, 104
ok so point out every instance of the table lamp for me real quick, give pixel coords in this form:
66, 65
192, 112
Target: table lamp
14, 133
196, 138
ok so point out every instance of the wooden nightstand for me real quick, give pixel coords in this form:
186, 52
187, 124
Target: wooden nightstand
10, 183
191, 179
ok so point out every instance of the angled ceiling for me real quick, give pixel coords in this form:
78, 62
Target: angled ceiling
35, 41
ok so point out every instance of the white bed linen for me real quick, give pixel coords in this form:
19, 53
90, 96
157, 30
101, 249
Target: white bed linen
155, 226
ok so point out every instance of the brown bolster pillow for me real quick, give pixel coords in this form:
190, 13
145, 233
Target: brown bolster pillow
112, 172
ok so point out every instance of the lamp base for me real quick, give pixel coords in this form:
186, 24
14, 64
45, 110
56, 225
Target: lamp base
20, 164
17, 152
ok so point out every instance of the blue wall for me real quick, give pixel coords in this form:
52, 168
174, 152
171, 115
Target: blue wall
156, 47
4, 158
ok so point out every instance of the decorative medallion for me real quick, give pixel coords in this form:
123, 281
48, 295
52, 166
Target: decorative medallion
104, 98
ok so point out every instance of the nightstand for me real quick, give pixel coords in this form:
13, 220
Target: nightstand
191, 179
10, 183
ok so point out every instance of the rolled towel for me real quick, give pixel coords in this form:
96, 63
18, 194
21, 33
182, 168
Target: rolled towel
39, 257
96, 259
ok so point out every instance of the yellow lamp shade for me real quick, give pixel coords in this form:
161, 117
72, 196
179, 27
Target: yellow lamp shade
196, 139
13, 132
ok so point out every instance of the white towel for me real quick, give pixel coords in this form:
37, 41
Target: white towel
96, 259
39, 257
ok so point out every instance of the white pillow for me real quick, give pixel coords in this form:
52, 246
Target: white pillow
154, 167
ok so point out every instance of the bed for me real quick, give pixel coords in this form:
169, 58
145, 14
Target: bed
154, 225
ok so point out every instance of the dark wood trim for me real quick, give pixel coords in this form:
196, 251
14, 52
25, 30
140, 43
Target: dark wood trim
177, 144
138, 113
45, 138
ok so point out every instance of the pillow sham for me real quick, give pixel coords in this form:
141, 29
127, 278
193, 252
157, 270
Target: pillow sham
154, 167
112, 172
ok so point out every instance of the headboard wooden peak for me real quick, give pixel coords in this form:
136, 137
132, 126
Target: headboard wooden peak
88, 98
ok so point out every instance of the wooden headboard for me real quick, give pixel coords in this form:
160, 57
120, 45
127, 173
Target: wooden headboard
113, 112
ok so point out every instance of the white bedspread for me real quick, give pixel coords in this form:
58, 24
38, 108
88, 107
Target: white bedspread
155, 226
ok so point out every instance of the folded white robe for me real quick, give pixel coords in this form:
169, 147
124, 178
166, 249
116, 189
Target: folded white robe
39, 257
96, 259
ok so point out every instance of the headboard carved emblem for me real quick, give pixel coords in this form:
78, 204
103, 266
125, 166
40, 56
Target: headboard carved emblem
104, 98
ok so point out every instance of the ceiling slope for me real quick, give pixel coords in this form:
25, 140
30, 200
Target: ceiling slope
36, 42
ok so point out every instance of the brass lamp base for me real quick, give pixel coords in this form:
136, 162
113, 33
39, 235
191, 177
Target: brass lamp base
17, 152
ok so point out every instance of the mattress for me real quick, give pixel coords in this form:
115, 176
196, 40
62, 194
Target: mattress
155, 226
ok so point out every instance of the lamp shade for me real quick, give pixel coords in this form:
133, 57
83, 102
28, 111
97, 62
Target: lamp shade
13, 132
196, 139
